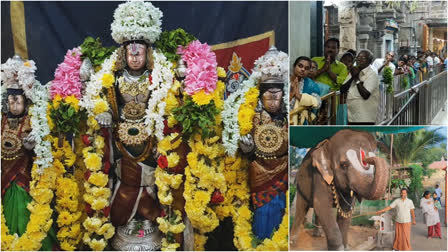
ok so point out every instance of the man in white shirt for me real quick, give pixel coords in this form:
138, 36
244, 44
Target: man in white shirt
404, 211
379, 64
430, 63
362, 88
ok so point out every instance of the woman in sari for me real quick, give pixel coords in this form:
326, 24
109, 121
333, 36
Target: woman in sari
431, 215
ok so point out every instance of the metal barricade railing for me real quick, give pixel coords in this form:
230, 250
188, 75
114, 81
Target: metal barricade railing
327, 111
419, 104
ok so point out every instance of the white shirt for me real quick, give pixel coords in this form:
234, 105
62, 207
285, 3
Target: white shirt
430, 63
378, 63
429, 213
359, 109
436, 60
438, 191
403, 208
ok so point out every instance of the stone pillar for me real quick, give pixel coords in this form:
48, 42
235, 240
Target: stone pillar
347, 23
365, 27
430, 39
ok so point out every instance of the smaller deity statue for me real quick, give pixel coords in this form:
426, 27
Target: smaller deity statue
268, 140
17, 146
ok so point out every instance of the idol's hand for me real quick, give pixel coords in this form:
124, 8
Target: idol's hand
104, 119
247, 143
28, 142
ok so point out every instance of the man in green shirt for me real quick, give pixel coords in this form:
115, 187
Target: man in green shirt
331, 71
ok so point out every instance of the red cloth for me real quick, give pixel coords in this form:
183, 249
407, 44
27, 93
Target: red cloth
402, 236
434, 231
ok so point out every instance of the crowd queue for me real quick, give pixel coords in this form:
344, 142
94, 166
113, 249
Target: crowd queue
357, 75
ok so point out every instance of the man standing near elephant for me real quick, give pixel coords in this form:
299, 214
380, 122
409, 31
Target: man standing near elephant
405, 209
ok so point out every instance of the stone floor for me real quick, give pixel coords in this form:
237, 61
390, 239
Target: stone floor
441, 117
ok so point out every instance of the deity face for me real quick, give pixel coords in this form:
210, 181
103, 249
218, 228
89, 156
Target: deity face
136, 56
16, 104
272, 100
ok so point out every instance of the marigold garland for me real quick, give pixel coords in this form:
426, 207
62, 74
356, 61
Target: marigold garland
67, 197
43, 174
246, 111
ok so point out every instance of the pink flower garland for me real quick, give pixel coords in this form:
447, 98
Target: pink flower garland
201, 67
66, 77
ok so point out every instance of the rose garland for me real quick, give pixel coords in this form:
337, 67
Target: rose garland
42, 184
66, 77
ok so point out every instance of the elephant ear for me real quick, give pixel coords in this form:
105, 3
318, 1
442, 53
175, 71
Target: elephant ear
321, 161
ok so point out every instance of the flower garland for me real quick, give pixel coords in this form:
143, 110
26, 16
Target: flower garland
231, 133
136, 21
67, 81
242, 220
201, 68
67, 196
246, 112
42, 184
96, 194
25, 75
162, 80
204, 177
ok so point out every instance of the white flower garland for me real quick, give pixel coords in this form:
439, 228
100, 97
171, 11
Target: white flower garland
162, 80
231, 133
95, 85
40, 128
25, 74
136, 20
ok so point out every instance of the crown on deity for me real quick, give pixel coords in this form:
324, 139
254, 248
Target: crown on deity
17, 74
136, 20
272, 67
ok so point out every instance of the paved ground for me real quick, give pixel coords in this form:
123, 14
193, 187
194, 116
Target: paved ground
419, 240
441, 117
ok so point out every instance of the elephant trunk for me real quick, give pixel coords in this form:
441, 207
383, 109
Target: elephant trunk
368, 176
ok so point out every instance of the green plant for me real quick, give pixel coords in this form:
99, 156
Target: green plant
416, 185
388, 79
398, 183
65, 118
93, 49
195, 118
169, 41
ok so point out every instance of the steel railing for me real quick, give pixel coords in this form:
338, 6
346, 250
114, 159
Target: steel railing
419, 104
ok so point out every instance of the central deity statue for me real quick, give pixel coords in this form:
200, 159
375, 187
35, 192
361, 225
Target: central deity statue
134, 205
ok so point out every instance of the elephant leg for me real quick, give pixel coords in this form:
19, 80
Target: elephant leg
301, 209
317, 231
344, 225
323, 206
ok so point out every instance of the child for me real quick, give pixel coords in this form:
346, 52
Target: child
436, 202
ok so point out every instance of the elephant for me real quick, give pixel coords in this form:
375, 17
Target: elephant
333, 174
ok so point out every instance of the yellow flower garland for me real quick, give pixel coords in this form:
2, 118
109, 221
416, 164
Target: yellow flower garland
96, 193
203, 176
246, 112
67, 196
41, 189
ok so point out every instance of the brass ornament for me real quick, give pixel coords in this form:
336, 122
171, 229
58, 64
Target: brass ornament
268, 139
11, 145
341, 212
133, 112
133, 88
132, 134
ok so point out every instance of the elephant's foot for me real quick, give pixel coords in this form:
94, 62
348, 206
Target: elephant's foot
318, 231
339, 248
